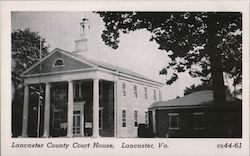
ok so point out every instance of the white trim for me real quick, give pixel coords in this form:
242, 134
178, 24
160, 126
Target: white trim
127, 77
61, 72
51, 53
196, 114
170, 115
178, 107
58, 65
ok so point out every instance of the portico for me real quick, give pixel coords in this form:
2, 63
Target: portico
71, 79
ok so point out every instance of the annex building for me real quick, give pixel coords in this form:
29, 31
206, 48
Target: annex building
196, 116
84, 97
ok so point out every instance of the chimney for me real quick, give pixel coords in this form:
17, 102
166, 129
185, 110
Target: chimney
82, 43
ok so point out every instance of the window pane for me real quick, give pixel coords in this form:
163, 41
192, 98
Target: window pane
173, 121
123, 118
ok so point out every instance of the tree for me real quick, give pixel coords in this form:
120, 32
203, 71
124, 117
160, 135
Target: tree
209, 40
25, 51
193, 88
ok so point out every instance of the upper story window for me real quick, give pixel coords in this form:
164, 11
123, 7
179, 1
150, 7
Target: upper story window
199, 120
145, 92
123, 88
77, 90
173, 119
154, 94
135, 91
58, 63
160, 98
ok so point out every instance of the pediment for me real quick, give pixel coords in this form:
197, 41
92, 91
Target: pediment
58, 61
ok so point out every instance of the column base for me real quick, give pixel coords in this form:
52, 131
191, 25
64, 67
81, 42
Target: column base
69, 136
23, 136
45, 136
96, 136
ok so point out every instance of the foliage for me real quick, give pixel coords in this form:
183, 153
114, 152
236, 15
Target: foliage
189, 38
193, 88
25, 51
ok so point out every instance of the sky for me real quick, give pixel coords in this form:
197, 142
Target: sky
135, 51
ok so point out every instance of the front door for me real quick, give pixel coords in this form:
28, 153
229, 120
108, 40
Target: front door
77, 123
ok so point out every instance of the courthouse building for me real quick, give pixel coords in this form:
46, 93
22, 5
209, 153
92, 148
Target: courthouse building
85, 97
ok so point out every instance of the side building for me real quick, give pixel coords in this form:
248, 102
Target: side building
195, 115
83, 97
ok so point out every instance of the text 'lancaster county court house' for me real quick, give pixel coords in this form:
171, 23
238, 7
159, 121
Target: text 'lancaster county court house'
84, 97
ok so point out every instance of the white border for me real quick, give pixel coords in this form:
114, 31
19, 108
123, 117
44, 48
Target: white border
177, 146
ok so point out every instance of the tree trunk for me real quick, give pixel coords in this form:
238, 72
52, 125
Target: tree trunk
217, 78
219, 92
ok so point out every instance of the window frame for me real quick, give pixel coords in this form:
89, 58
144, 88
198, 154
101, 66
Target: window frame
196, 124
135, 88
58, 59
170, 116
124, 118
136, 118
124, 88
154, 92
79, 91
145, 92
146, 117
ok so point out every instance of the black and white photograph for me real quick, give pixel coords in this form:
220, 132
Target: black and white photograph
146, 76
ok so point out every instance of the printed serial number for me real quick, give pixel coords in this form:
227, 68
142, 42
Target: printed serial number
230, 145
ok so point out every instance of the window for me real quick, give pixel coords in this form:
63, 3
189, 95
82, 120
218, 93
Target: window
124, 118
173, 120
160, 95
124, 89
136, 118
59, 62
77, 90
76, 122
145, 92
199, 120
146, 117
100, 117
154, 94
56, 119
135, 91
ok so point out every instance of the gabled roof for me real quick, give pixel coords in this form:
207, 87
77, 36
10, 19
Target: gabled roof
94, 63
193, 99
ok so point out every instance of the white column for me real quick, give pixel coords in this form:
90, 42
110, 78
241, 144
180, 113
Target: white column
96, 108
70, 109
47, 111
82, 121
25, 110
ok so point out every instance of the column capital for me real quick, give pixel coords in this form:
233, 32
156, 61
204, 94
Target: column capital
96, 78
26, 84
48, 83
